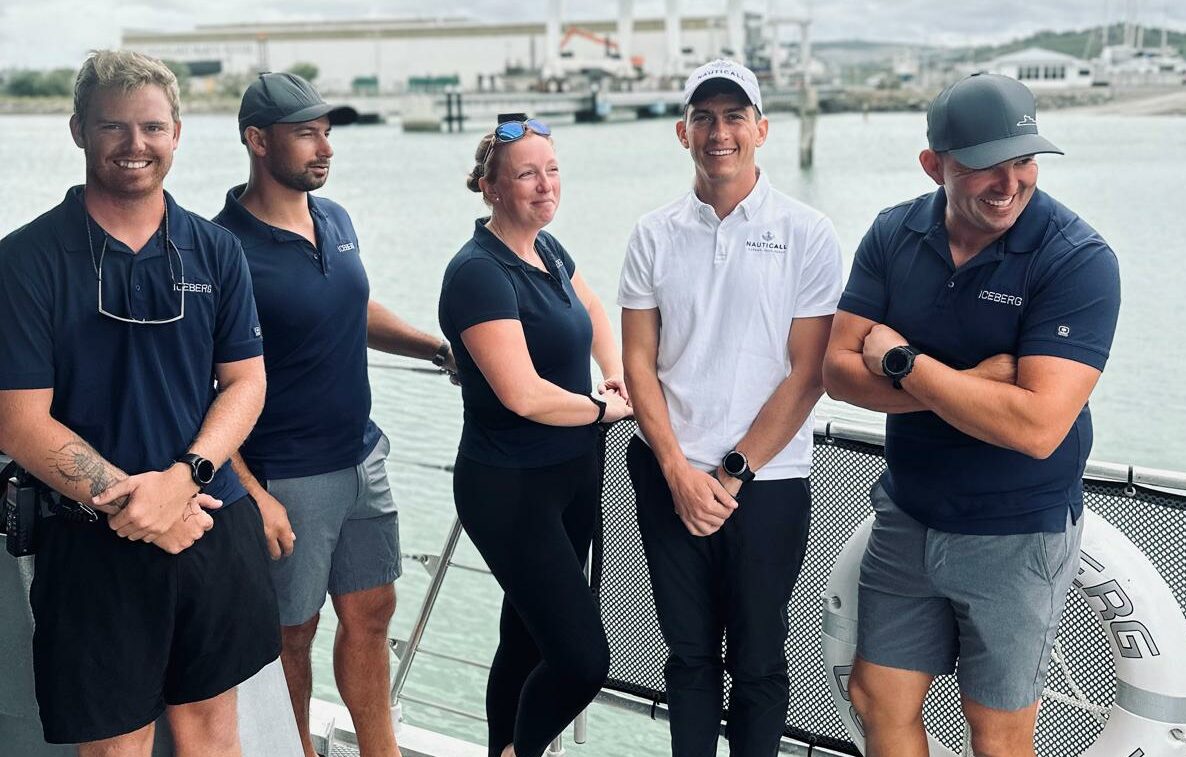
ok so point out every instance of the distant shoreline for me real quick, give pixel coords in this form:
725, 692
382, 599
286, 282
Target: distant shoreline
1151, 101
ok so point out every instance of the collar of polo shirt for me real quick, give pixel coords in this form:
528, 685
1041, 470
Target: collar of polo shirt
73, 232
1024, 236
749, 206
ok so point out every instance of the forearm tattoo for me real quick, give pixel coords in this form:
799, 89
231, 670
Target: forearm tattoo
77, 462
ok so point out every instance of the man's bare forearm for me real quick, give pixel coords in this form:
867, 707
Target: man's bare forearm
781, 417
233, 413
389, 333
848, 380
246, 477
650, 412
58, 457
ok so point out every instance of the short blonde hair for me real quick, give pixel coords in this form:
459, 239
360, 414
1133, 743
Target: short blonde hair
124, 70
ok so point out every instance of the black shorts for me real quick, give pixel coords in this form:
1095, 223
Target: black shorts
122, 628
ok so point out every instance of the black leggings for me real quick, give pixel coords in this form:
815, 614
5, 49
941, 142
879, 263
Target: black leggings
533, 527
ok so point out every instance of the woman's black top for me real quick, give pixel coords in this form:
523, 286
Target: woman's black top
485, 281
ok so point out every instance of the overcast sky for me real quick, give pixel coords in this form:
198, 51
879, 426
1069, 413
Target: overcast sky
43, 33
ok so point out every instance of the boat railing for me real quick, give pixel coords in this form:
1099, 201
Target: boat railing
1148, 505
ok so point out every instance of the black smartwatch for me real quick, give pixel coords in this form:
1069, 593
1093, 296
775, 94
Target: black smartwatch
736, 464
441, 356
201, 470
898, 362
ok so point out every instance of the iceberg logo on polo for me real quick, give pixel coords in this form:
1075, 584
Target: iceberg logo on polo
193, 286
1064, 330
1004, 299
346, 247
1028, 120
768, 243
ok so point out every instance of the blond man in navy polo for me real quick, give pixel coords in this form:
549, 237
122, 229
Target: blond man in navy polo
979, 318
120, 309
315, 461
727, 298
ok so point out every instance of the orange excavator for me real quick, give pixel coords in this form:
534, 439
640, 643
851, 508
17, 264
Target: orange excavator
610, 46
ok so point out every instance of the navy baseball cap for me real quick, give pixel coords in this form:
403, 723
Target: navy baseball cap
985, 119
287, 99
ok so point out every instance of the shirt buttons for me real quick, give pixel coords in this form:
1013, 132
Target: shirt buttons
137, 287
951, 285
317, 256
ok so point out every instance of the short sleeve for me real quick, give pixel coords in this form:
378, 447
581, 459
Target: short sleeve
636, 288
477, 292
820, 280
1072, 312
237, 334
865, 293
26, 308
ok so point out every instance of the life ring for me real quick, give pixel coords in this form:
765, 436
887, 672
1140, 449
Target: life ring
1136, 609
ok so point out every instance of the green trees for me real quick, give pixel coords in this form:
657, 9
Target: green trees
307, 71
56, 83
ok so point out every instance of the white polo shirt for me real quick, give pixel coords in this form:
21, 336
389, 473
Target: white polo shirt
727, 291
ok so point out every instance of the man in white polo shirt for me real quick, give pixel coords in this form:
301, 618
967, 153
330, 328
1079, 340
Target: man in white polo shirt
727, 298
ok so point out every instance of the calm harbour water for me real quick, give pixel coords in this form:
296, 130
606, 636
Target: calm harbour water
407, 197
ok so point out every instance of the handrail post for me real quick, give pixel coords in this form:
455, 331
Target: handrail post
430, 598
580, 726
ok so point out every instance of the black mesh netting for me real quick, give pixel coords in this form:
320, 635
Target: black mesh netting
842, 474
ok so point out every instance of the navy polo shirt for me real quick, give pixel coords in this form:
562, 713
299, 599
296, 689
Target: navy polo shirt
312, 303
485, 281
1049, 286
137, 393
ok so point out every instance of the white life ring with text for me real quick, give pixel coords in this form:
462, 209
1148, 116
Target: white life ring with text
1136, 609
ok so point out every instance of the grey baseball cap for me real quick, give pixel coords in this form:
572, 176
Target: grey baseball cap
287, 99
727, 70
985, 119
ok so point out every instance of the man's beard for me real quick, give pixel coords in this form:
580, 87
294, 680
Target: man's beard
302, 180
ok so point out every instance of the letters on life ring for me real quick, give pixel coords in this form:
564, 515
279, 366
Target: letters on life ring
1137, 611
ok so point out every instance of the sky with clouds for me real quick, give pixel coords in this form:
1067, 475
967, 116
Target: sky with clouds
45, 33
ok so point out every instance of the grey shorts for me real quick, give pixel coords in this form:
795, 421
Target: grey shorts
347, 535
928, 597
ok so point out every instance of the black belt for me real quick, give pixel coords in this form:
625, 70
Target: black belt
55, 505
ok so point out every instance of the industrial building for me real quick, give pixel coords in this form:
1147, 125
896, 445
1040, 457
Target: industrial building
400, 55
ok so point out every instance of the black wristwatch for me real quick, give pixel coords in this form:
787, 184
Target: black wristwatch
898, 362
736, 464
201, 470
441, 356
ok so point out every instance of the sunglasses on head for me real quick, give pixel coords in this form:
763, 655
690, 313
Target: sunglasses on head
512, 131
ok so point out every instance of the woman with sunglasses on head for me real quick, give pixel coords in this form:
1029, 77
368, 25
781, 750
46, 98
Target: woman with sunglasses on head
527, 482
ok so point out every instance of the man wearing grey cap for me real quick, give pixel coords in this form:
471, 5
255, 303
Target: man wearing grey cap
979, 318
315, 462
727, 298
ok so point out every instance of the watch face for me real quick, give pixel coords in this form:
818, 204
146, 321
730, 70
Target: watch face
203, 471
734, 463
894, 361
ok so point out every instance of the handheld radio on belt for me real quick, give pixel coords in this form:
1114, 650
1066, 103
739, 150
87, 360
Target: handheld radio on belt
22, 495
27, 502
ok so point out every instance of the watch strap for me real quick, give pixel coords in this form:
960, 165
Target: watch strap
192, 461
601, 406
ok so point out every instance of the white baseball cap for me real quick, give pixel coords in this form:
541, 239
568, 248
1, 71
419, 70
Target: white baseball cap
729, 70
